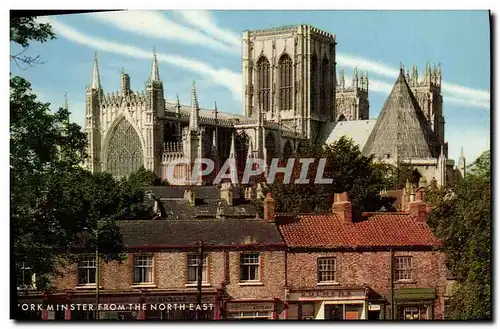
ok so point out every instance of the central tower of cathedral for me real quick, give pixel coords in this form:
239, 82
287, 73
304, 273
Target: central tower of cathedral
289, 74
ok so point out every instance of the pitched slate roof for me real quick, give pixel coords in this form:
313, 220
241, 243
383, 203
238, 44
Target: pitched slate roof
401, 129
357, 130
378, 230
215, 232
207, 199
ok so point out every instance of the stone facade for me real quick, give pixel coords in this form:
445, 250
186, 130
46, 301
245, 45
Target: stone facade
291, 94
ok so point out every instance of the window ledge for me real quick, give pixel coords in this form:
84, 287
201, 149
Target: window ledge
328, 283
406, 281
203, 284
251, 283
87, 286
143, 285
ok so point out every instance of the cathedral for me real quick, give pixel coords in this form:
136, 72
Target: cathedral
292, 93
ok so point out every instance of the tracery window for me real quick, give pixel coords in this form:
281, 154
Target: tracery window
124, 151
325, 85
286, 84
264, 83
314, 83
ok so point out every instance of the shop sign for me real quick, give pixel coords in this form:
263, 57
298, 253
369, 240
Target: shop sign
250, 307
180, 299
326, 294
373, 307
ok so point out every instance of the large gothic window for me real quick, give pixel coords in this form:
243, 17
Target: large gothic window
264, 83
124, 150
314, 84
286, 83
325, 85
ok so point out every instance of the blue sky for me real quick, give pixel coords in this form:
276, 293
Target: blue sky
204, 46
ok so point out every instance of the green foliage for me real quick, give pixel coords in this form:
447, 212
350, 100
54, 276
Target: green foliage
395, 177
462, 219
56, 205
23, 30
144, 177
350, 171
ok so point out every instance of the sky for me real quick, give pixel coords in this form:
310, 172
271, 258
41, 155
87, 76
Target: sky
205, 46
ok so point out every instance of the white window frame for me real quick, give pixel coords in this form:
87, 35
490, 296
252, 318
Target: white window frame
25, 286
85, 263
320, 270
138, 263
403, 268
247, 265
194, 265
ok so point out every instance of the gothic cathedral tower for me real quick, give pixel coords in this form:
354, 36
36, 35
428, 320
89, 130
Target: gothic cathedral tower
92, 123
289, 74
154, 126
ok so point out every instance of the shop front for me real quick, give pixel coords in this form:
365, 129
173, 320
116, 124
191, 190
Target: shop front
414, 303
250, 310
358, 303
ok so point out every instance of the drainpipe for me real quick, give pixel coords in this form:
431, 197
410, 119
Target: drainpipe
286, 285
391, 284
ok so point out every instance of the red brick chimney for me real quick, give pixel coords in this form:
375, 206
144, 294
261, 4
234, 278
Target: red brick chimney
269, 208
342, 207
418, 210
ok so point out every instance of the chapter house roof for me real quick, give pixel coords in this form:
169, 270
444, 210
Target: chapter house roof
401, 130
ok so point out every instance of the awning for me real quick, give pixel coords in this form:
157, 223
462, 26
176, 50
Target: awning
415, 294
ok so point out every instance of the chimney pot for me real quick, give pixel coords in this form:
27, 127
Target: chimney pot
342, 207
269, 208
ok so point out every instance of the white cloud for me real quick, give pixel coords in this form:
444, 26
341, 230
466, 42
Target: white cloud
204, 20
221, 76
454, 93
156, 25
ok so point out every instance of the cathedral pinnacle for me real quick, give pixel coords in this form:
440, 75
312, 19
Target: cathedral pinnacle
232, 150
66, 101
215, 110
155, 73
96, 82
194, 118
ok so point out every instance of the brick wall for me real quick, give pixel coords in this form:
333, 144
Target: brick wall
170, 272
372, 269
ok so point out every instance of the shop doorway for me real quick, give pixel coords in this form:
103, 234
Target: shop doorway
343, 311
374, 315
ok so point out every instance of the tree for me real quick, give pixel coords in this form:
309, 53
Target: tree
461, 218
144, 177
23, 30
350, 171
56, 206
395, 177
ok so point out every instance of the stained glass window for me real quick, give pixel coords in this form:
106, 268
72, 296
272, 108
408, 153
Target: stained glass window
286, 85
263, 83
124, 151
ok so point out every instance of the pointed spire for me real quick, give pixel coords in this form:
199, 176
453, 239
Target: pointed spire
232, 150
355, 77
461, 153
215, 110
155, 73
96, 82
66, 101
408, 75
342, 79
195, 110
